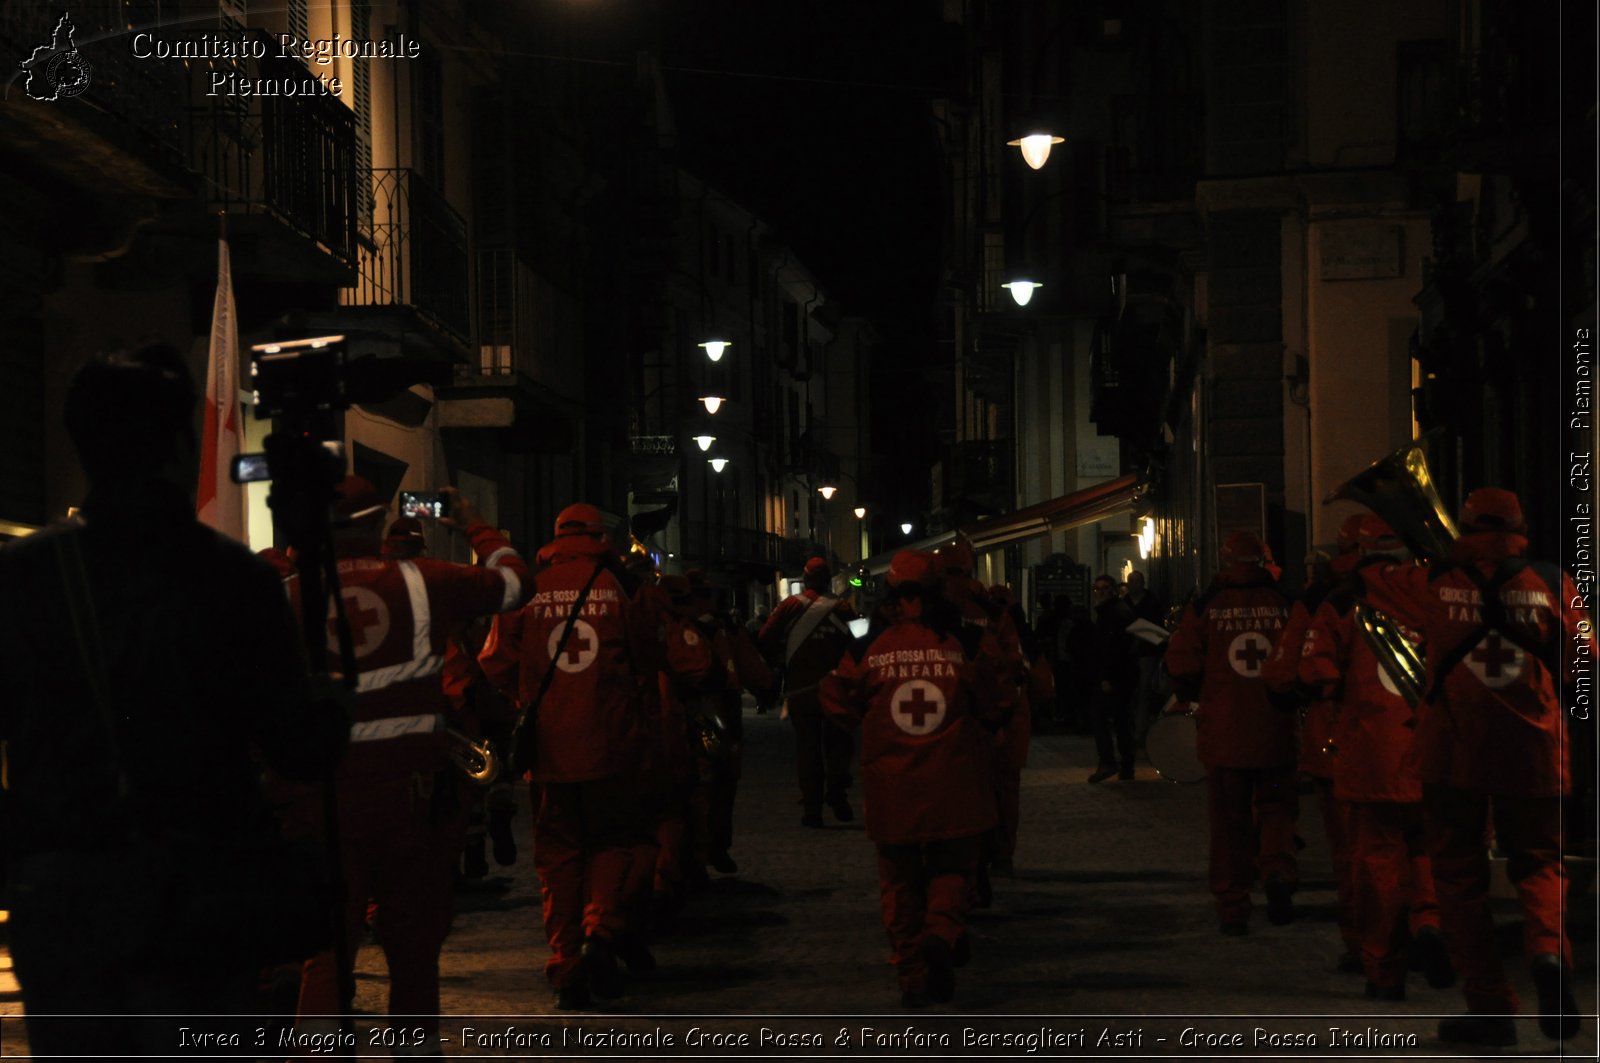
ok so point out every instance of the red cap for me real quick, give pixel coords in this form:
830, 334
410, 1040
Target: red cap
1492, 509
956, 557
1377, 537
580, 518
356, 501
818, 565
911, 566
1243, 548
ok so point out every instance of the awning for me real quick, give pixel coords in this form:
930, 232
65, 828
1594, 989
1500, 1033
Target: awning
1059, 514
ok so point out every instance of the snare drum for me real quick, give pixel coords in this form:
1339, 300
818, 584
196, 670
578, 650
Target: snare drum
1172, 746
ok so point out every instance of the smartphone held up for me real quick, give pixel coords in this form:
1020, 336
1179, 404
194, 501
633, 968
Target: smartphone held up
433, 504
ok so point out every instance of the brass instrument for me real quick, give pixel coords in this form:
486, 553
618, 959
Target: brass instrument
1399, 657
1399, 488
476, 759
709, 732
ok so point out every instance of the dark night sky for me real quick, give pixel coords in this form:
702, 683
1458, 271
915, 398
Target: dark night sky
832, 141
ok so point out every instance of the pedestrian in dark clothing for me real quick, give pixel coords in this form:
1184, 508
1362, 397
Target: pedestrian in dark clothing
149, 664
1115, 673
1147, 695
1074, 665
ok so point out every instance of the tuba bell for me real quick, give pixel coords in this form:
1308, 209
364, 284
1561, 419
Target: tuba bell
1399, 488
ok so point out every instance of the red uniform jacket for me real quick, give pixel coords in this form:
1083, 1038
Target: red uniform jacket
926, 754
592, 722
1497, 724
402, 615
1222, 644
1374, 726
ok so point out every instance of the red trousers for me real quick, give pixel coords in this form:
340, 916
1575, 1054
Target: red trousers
923, 889
1528, 831
398, 845
583, 850
1253, 812
1336, 825
1393, 884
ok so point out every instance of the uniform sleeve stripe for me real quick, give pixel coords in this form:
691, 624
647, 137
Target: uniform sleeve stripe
421, 622
513, 589
493, 560
393, 727
379, 678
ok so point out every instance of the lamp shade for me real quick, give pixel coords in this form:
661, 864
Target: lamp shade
906, 527
1021, 291
718, 464
1036, 147
826, 491
714, 349
861, 513
713, 403
705, 441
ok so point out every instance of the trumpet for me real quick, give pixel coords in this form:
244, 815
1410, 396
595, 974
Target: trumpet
1399, 488
477, 760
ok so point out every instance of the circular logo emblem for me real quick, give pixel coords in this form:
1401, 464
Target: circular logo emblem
368, 615
68, 73
583, 646
1248, 652
690, 637
917, 707
1495, 662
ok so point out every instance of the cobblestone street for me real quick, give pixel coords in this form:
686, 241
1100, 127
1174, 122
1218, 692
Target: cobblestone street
1104, 941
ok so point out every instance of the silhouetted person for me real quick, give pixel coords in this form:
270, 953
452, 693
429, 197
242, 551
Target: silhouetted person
1115, 674
147, 662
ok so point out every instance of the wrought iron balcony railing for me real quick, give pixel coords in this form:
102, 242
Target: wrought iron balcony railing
417, 256
291, 158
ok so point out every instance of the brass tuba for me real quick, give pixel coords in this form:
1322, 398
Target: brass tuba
1399, 488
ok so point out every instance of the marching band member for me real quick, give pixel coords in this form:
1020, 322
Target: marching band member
1376, 782
926, 694
1503, 635
1316, 761
1246, 744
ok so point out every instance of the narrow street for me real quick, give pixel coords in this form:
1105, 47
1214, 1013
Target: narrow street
1105, 940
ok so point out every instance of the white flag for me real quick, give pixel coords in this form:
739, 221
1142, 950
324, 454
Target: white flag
219, 501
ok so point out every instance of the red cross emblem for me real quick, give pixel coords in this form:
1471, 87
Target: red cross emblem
368, 616
917, 707
1248, 652
1497, 664
583, 646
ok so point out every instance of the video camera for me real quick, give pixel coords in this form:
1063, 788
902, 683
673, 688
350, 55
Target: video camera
304, 382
